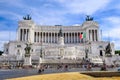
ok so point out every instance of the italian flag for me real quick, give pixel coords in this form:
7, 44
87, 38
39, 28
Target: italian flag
82, 35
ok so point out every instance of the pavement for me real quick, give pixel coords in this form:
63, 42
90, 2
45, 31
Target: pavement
14, 73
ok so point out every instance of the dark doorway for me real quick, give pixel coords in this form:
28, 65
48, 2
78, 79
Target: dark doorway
101, 53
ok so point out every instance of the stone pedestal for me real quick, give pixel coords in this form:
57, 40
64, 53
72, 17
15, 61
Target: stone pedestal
40, 60
27, 62
61, 41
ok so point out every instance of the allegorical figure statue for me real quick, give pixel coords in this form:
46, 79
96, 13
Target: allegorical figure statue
89, 18
108, 50
27, 17
27, 50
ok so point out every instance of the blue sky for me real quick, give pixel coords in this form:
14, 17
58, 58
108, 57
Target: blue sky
63, 12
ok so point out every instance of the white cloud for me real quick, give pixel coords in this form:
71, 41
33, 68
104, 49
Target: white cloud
112, 30
113, 20
10, 15
83, 6
117, 44
5, 36
15, 3
58, 15
50, 17
112, 33
55, 16
2, 45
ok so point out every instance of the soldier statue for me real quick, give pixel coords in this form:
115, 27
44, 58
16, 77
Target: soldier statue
27, 50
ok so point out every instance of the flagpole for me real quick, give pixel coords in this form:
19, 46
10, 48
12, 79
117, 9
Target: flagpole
40, 60
108, 37
9, 36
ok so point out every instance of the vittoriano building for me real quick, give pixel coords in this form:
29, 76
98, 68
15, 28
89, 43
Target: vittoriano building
60, 44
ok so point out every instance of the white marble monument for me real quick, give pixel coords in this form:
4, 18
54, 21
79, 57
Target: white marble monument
68, 47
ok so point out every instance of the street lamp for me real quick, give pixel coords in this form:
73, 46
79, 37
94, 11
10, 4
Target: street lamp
41, 53
41, 50
86, 53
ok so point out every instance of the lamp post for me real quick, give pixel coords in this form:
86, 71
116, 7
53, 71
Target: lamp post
41, 69
41, 51
86, 53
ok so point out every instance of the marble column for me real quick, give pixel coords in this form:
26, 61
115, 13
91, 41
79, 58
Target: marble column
35, 36
89, 35
65, 38
77, 37
94, 35
24, 36
45, 37
51, 38
54, 37
40, 37
27, 34
20, 34
71, 38
68, 38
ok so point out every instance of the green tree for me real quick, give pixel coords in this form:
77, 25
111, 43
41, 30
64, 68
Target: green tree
1, 52
117, 52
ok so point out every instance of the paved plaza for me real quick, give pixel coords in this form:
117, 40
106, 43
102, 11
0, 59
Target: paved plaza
14, 73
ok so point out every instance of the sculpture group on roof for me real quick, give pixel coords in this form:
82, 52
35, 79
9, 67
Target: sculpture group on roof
27, 17
89, 18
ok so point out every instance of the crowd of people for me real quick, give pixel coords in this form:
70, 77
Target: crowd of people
67, 67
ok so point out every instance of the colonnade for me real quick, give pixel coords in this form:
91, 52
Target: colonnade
24, 33
52, 37
93, 35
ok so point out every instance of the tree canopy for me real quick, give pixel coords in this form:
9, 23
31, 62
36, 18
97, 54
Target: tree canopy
117, 52
1, 52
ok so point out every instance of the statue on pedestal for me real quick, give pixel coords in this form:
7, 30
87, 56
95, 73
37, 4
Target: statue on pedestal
108, 50
27, 50
27, 59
